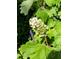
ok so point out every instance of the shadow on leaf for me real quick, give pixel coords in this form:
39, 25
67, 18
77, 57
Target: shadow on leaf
54, 55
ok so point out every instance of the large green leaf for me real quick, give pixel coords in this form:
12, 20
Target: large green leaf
42, 53
42, 13
34, 51
28, 48
25, 6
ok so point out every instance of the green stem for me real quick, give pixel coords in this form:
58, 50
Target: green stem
46, 41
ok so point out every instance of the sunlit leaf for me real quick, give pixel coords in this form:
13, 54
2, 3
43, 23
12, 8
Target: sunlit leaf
52, 2
42, 53
42, 13
51, 23
34, 50
58, 26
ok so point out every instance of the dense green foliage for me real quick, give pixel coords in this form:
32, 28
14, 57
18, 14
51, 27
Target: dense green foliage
44, 41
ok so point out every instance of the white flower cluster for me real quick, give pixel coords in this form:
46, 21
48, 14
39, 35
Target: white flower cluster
38, 25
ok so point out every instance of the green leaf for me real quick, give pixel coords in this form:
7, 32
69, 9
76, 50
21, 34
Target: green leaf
51, 23
18, 56
34, 50
57, 2
58, 27
51, 33
59, 14
42, 14
56, 33
57, 43
28, 48
38, 39
49, 2
54, 55
52, 2
49, 12
52, 11
42, 53
25, 6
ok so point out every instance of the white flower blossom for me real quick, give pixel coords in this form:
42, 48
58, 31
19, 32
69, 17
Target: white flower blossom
38, 25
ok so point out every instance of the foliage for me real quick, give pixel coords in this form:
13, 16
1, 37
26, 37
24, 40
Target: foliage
52, 2
34, 50
25, 6
45, 23
42, 13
